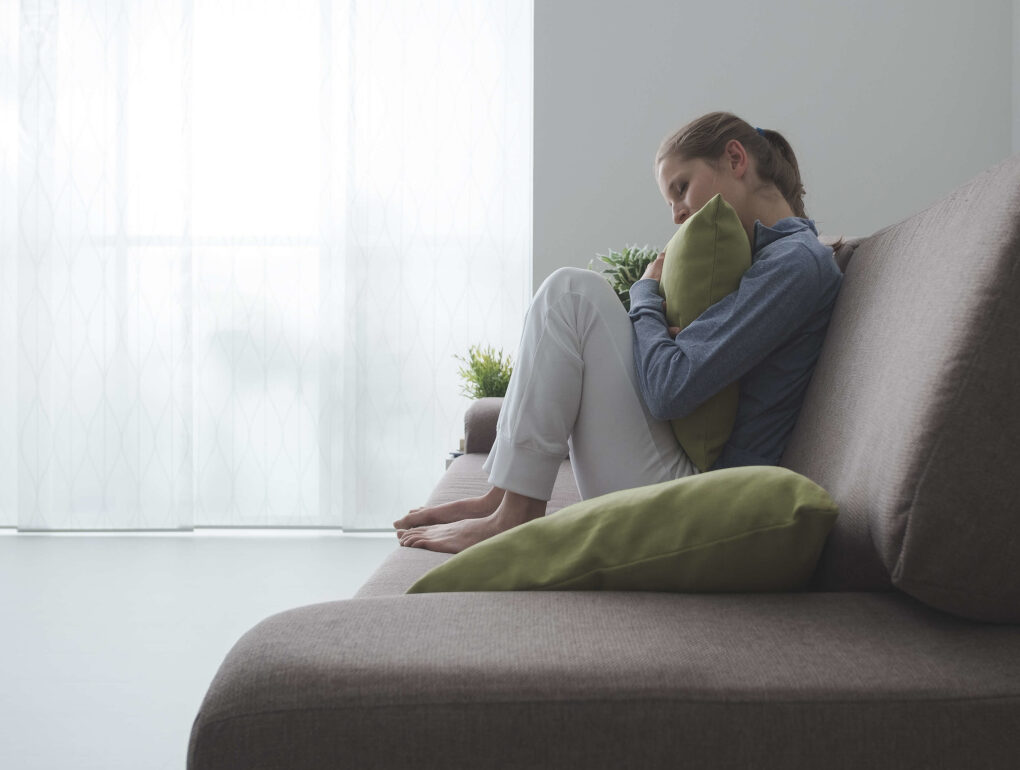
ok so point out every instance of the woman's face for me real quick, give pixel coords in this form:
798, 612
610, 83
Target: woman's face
687, 185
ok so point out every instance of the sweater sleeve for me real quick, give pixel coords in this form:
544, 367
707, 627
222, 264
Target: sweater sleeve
775, 297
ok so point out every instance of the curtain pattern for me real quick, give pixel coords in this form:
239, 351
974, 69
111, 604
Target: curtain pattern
250, 239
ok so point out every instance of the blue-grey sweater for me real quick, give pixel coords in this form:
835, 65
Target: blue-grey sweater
767, 334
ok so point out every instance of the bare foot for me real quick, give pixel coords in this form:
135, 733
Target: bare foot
455, 536
468, 508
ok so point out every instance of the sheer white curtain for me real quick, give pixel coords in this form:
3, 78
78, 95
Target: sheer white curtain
241, 244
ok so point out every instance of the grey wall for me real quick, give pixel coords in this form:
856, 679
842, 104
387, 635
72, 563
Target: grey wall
1016, 76
889, 104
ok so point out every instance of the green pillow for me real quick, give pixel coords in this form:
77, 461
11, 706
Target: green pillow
704, 262
755, 528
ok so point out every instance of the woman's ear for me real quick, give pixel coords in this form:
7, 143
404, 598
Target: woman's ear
735, 157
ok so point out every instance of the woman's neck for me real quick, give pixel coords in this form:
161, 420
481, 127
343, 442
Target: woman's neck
767, 207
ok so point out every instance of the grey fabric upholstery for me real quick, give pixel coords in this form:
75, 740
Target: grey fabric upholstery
399, 571
613, 680
480, 425
911, 421
844, 248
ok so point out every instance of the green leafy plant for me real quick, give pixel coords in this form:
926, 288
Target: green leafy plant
486, 372
623, 268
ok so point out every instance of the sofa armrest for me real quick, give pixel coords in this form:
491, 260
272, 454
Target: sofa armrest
480, 424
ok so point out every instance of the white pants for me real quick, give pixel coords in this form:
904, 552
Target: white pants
574, 389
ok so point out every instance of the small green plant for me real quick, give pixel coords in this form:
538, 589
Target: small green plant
623, 268
486, 372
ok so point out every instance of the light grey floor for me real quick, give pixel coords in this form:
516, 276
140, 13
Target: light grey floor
108, 642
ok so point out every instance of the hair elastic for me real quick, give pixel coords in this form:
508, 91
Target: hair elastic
760, 131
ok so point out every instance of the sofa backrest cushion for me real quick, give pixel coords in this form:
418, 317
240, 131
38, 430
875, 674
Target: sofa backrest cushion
912, 419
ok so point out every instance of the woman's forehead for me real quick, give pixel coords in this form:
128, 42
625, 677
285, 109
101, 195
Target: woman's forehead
674, 165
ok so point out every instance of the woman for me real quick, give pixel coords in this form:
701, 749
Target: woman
604, 386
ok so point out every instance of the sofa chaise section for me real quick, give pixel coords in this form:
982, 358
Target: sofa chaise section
911, 422
611, 680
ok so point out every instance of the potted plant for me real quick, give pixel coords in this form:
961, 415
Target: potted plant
623, 268
486, 372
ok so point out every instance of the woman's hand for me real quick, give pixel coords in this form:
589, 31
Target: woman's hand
654, 269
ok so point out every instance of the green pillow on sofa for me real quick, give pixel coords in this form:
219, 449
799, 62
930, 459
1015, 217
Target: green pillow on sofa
755, 528
704, 262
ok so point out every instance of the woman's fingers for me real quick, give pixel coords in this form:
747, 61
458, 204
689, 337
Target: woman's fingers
654, 269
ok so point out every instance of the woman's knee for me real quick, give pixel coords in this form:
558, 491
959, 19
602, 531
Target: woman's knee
577, 280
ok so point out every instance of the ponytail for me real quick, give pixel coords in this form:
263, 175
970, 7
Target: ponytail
777, 164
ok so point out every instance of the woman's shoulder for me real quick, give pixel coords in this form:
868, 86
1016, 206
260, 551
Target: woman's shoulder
796, 253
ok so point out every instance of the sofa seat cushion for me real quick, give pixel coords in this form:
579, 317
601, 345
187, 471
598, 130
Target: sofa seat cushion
399, 571
614, 679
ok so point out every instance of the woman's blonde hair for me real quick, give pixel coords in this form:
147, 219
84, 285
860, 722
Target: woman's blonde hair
706, 138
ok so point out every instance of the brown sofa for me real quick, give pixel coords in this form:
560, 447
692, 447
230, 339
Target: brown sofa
904, 652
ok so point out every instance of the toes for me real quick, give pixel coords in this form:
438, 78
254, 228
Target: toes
423, 537
411, 536
429, 544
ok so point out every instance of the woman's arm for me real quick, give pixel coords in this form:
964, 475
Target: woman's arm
776, 296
